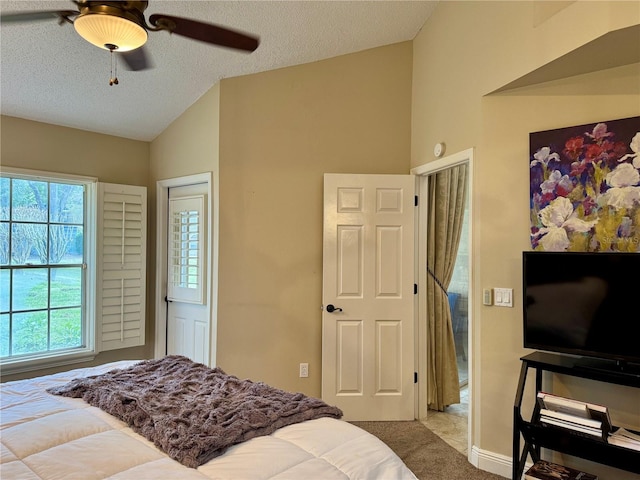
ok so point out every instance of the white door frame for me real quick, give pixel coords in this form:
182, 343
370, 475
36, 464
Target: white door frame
162, 216
422, 172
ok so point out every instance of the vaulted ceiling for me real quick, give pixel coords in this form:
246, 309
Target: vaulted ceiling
50, 74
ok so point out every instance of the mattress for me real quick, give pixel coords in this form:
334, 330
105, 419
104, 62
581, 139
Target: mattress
48, 437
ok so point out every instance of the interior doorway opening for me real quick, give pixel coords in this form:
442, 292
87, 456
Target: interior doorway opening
455, 424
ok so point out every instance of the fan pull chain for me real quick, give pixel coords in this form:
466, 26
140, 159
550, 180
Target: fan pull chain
113, 80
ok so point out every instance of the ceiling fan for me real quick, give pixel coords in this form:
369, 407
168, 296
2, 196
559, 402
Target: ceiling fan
120, 26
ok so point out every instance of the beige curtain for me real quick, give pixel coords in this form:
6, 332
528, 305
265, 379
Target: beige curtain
446, 205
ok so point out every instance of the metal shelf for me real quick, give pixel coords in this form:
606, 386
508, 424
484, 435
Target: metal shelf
537, 436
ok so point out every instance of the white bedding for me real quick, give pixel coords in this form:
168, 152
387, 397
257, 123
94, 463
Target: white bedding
47, 437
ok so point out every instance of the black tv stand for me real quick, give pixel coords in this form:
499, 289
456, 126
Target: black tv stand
537, 436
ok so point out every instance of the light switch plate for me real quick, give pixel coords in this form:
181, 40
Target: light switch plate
503, 297
486, 297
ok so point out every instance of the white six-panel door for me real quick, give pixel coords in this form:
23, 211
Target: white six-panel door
368, 277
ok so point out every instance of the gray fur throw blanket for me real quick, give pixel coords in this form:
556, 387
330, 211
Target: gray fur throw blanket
190, 411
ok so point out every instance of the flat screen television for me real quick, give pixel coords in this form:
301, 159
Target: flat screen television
585, 304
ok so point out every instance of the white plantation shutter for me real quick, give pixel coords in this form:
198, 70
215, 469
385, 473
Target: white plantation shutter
186, 269
121, 276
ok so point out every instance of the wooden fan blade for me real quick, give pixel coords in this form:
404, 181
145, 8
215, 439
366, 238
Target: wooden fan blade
136, 60
205, 32
35, 16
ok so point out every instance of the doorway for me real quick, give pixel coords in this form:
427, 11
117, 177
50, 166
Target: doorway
188, 326
462, 307
187, 302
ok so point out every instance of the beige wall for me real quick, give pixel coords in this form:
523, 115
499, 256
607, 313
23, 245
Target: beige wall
468, 49
190, 144
280, 131
465, 51
41, 146
186, 147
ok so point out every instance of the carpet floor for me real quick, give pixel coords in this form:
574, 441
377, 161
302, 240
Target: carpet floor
426, 454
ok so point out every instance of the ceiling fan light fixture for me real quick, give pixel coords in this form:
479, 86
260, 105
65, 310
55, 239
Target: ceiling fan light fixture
102, 30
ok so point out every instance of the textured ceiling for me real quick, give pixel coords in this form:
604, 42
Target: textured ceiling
50, 74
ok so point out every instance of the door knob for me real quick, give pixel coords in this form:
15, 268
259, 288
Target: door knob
331, 308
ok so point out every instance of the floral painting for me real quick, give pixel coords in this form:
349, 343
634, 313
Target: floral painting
585, 187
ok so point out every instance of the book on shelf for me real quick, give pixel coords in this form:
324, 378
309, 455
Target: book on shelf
594, 433
585, 422
577, 409
543, 470
625, 438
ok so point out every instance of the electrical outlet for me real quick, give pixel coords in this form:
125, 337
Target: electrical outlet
304, 370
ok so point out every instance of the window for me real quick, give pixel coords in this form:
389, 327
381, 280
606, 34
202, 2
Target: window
186, 249
43, 274
72, 268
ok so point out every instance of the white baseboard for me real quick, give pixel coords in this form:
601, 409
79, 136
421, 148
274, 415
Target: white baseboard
491, 462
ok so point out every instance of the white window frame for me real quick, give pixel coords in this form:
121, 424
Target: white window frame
88, 352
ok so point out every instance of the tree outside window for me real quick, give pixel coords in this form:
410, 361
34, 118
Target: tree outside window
41, 266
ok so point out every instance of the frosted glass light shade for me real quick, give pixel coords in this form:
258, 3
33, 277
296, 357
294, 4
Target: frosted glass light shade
101, 30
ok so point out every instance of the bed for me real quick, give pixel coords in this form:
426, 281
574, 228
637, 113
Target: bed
48, 434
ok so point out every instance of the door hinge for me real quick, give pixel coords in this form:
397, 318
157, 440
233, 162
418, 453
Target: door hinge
415, 377
415, 200
415, 288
